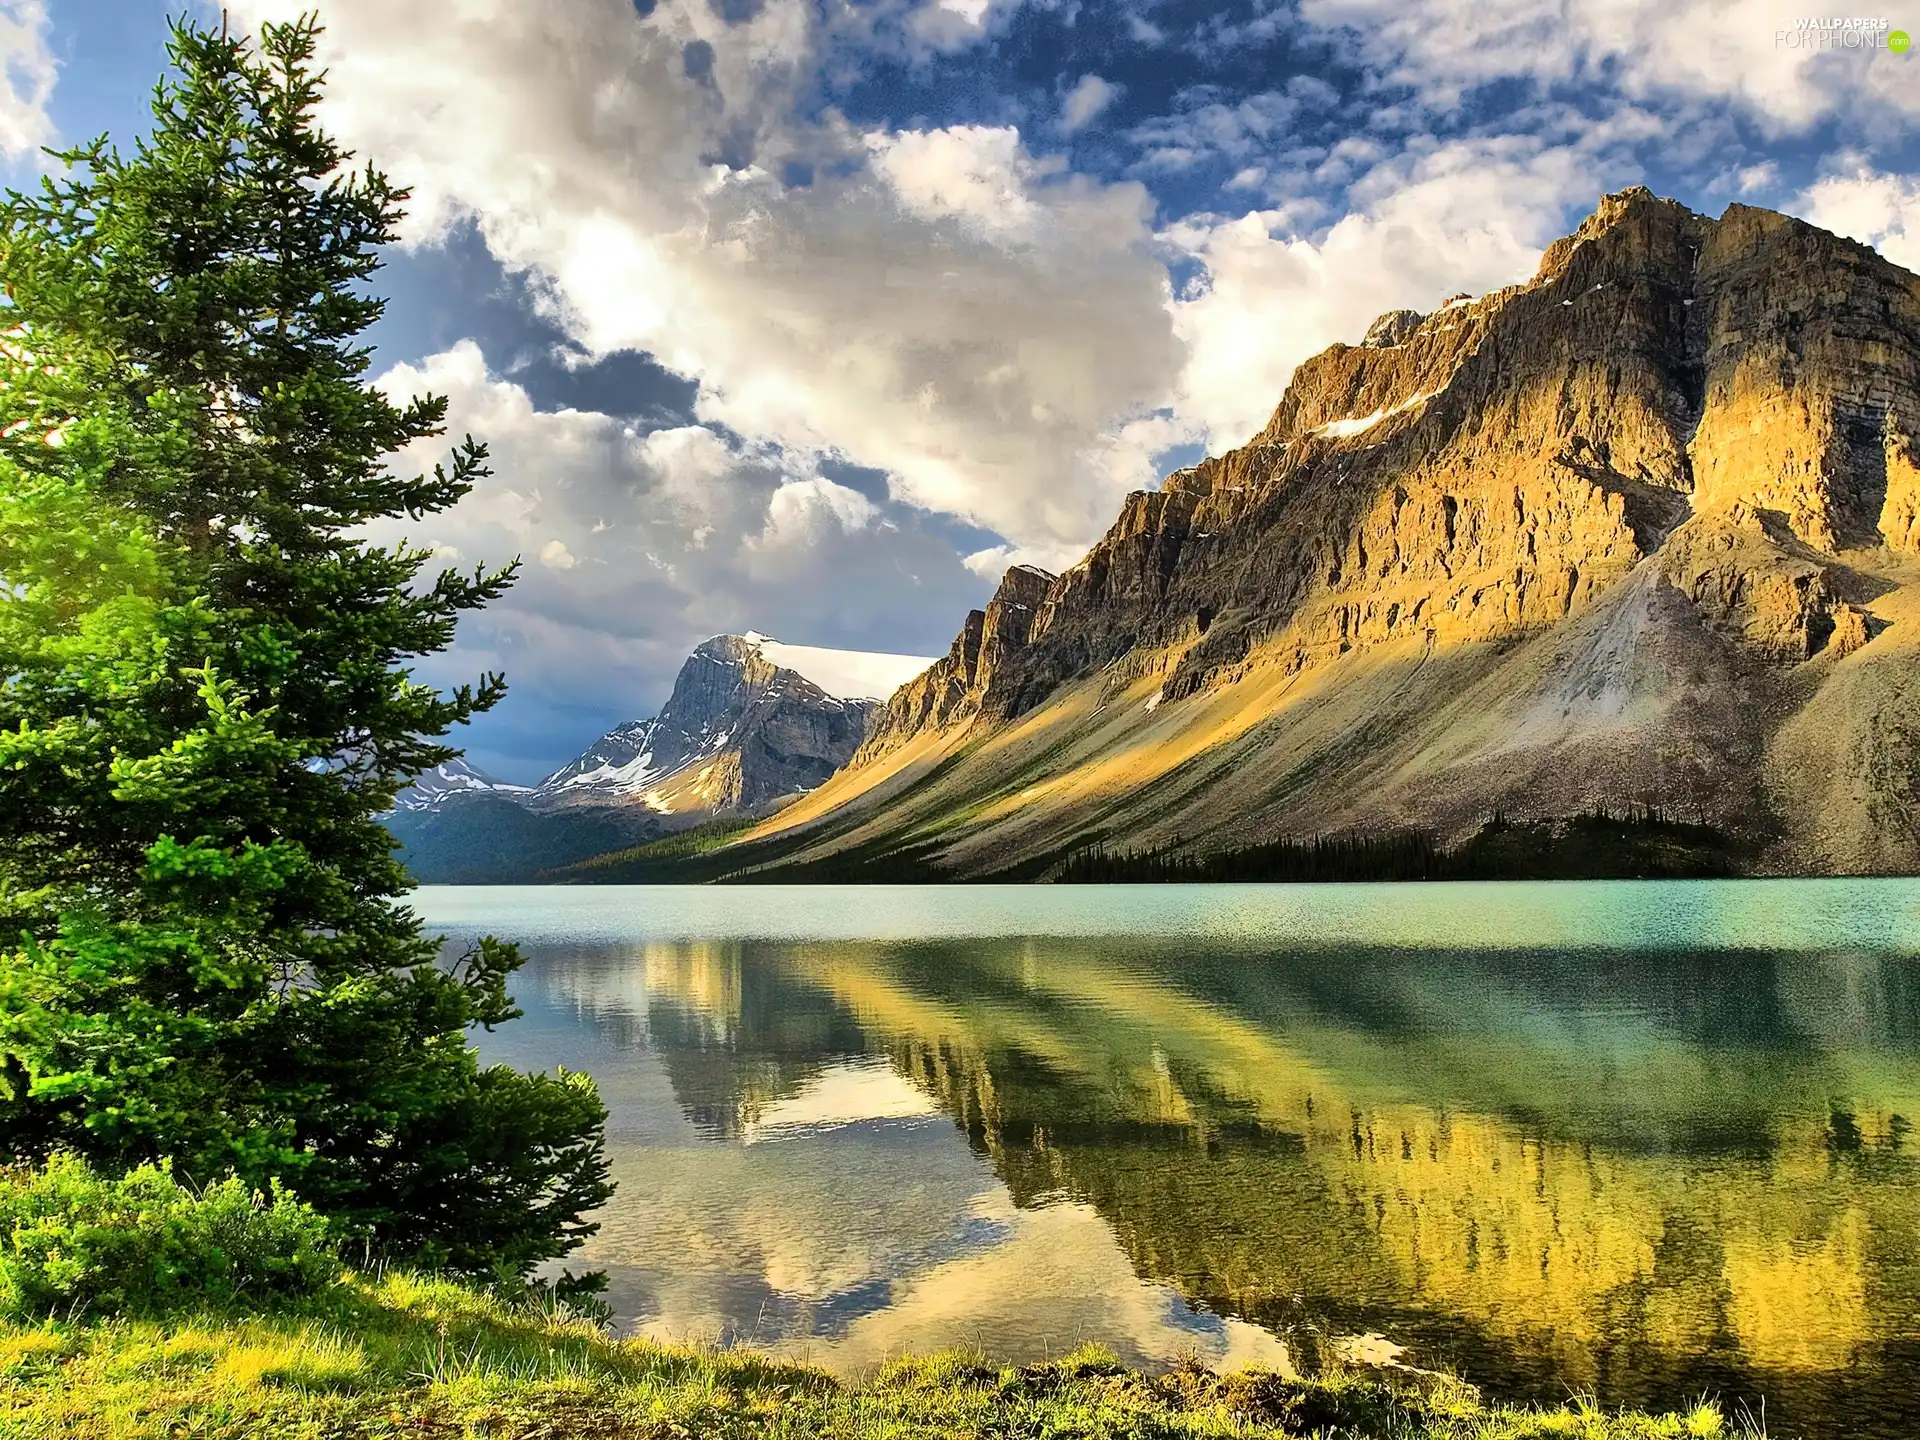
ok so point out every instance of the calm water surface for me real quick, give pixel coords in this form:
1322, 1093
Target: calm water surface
1644, 1140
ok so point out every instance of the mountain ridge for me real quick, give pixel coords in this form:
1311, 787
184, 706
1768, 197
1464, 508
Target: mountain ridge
1642, 530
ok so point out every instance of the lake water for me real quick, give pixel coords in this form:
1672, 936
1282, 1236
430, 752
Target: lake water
1642, 1140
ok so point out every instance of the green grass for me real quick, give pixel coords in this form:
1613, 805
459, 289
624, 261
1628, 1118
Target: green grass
406, 1357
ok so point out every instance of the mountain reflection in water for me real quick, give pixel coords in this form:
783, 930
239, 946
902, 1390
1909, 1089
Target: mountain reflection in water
1638, 1169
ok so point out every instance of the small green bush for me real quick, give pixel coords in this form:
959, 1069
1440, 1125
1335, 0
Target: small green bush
75, 1242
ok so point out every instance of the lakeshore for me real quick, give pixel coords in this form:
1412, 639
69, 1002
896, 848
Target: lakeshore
408, 1357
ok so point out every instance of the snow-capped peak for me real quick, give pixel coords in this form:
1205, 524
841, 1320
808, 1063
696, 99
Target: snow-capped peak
455, 777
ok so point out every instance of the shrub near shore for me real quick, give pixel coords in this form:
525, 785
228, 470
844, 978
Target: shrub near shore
80, 1244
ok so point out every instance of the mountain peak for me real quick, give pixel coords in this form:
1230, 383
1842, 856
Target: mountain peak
738, 733
1634, 205
1659, 225
738, 730
727, 647
1629, 533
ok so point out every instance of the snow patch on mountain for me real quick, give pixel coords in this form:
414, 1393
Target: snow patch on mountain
1340, 429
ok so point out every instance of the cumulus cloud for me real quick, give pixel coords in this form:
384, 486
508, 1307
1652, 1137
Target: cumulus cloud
948, 25
1692, 50
802, 509
1086, 100
944, 304
979, 176
27, 72
1876, 209
941, 303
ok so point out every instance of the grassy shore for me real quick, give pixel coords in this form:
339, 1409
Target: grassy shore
404, 1357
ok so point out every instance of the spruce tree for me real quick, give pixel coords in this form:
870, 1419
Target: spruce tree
205, 699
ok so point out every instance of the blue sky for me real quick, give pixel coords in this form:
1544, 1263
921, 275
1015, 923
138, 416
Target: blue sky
810, 316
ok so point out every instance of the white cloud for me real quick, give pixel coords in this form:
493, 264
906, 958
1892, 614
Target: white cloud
978, 175
1468, 216
555, 556
1878, 210
1144, 30
1086, 100
992, 330
939, 304
1757, 179
27, 72
800, 508
948, 25
1245, 129
1684, 49
994, 561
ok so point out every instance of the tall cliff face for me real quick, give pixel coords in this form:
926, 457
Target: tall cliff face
1492, 466
954, 690
1679, 469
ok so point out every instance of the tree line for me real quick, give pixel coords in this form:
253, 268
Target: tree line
1637, 840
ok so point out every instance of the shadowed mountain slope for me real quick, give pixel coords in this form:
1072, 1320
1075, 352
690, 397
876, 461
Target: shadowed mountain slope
737, 732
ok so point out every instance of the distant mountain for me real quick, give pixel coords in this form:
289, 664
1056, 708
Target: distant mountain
1639, 537
456, 777
737, 734
738, 731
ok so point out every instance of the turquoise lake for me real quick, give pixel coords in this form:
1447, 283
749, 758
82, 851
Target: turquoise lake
1646, 1141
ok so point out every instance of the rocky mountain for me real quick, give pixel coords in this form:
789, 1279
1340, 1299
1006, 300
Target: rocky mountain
456, 777
738, 734
1642, 532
